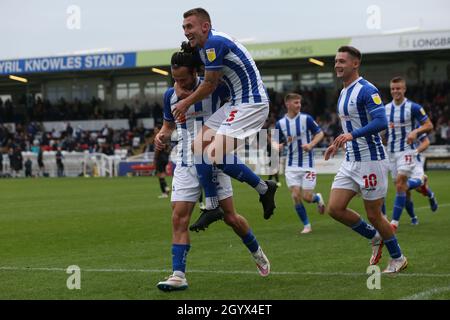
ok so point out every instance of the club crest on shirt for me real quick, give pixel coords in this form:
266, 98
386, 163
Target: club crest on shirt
376, 98
422, 112
211, 54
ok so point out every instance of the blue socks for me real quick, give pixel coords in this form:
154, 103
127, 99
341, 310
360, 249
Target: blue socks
414, 183
250, 241
399, 204
409, 206
315, 198
301, 212
365, 229
235, 168
179, 253
205, 175
231, 166
208, 182
393, 247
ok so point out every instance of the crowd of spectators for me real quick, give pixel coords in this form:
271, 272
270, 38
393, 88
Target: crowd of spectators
31, 136
434, 97
38, 110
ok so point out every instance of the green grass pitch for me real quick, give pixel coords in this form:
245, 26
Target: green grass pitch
119, 233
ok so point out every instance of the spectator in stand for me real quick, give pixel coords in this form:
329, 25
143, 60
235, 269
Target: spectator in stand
157, 113
105, 131
16, 161
442, 131
59, 163
69, 130
28, 168
40, 161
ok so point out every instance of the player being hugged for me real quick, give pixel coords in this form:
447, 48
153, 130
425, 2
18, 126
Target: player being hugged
186, 189
365, 167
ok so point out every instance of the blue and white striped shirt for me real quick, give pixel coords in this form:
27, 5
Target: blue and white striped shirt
402, 120
296, 132
355, 105
195, 117
223, 53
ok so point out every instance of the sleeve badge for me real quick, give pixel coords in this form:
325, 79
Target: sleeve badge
376, 98
211, 54
423, 112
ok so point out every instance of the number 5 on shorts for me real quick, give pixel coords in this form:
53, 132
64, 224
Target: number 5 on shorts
232, 115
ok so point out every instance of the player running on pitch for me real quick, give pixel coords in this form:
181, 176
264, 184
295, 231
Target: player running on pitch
365, 167
301, 134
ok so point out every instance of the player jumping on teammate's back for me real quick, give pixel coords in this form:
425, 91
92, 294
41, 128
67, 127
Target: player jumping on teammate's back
186, 189
227, 61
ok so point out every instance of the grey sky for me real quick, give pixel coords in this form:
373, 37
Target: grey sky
37, 28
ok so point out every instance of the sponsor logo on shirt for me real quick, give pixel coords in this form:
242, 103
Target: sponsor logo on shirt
344, 117
393, 125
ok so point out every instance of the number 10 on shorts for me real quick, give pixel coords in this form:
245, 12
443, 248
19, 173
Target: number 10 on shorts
370, 181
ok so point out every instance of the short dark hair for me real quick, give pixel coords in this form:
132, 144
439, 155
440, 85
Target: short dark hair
355, 53
199, 12
292, 96
397, 80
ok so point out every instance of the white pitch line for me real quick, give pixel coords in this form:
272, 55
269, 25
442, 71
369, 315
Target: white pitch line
326, 274
439, 206
425, 295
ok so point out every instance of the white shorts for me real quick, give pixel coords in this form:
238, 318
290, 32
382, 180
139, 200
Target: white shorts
239, 121
368, 178
403, 162
303, 179
418, 172
186, 187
